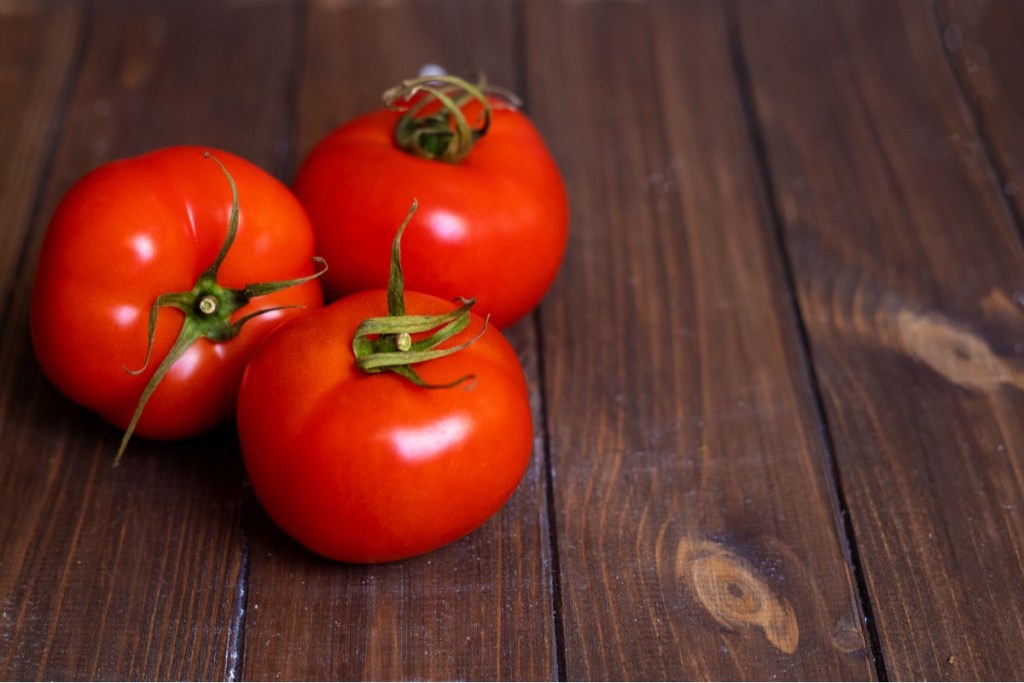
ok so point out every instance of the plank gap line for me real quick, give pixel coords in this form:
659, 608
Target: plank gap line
1000, 177
760, 151
517, 13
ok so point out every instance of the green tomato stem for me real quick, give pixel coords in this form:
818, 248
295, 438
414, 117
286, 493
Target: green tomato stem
446, 134
208, 305
386, 343
208, 308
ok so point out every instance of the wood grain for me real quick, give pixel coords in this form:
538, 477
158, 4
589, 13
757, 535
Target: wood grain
38, 46
777, 386
906, 267
698, 535
982, 39
132, 572
480, 608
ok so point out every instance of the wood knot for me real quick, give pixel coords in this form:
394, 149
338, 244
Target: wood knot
729, 588
953, 351
847, 635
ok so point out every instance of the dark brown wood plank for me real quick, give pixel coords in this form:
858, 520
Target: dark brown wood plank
908, 270
983, 40
481, 608
698, 535
356, 50
38, 45
134, 572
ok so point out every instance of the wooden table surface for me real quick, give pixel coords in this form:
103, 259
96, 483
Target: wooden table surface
777, 386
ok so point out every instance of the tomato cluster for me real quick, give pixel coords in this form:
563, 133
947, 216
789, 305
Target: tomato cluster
190, 286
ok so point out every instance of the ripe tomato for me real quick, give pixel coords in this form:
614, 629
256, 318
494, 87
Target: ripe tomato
493, 224
135, 229
374, 467
371, 468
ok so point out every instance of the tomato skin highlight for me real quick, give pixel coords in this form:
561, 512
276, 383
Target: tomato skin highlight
137, 228
368, 467
493, 226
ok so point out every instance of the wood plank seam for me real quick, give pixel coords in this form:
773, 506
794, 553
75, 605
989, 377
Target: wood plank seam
26, 252
844, 522
999, 174
285, 161
558, 614
234, 655
517, 14
287, 153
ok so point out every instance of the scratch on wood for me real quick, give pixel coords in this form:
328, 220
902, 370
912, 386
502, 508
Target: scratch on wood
728, 587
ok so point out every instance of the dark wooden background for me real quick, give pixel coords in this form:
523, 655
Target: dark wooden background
778, 385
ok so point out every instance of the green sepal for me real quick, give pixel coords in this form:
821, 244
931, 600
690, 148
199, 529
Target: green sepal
385, 343
445, 135
207, 308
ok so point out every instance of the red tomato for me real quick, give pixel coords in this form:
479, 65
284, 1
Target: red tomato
371, 468
135, 229
493, 225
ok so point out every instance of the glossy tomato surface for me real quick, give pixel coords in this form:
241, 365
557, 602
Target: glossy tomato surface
492, 226
134, 229
371, 468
